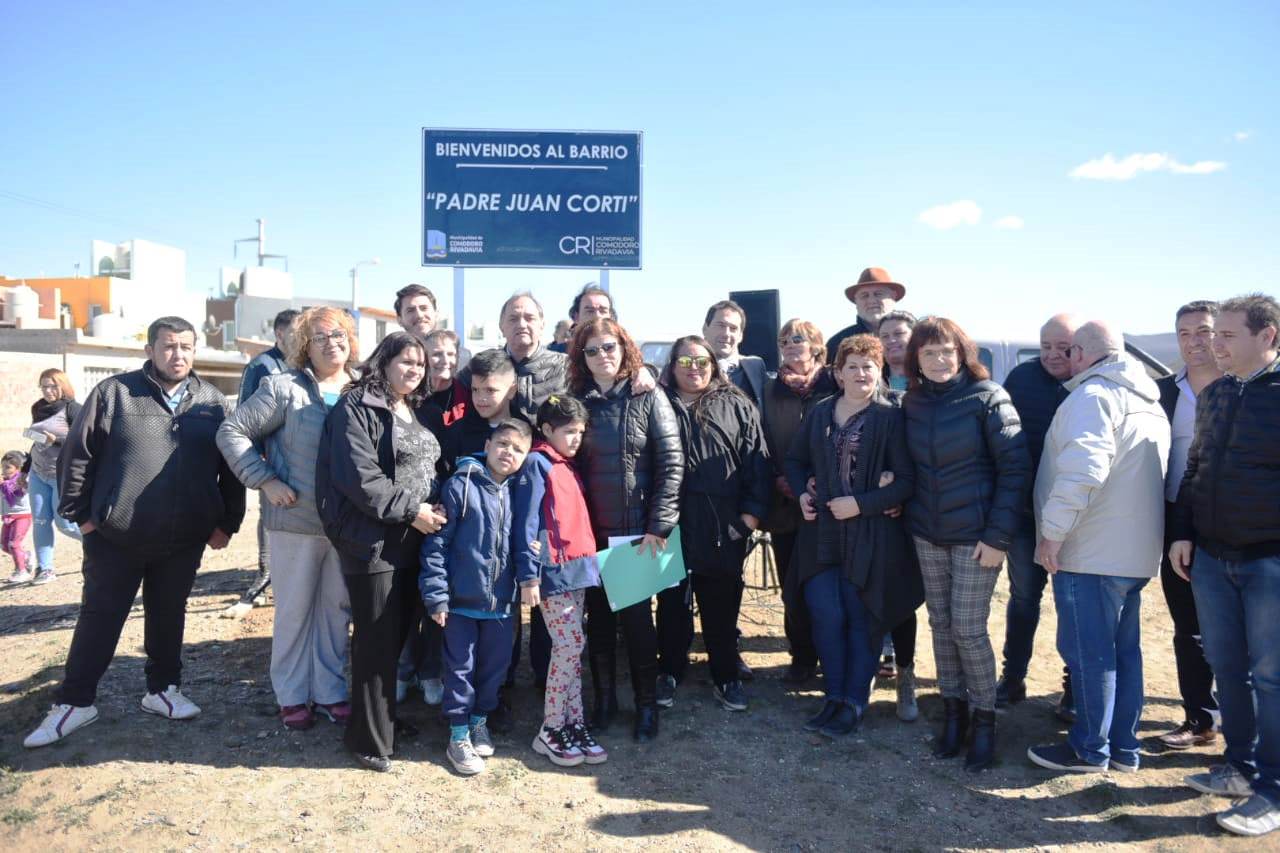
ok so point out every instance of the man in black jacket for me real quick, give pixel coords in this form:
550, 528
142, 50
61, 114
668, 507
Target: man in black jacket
1178, 395
1226, 532
1036, 390
141, 475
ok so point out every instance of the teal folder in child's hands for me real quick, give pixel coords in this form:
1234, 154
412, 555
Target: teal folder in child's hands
629, 577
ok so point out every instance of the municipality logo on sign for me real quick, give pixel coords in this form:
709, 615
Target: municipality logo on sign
436, 242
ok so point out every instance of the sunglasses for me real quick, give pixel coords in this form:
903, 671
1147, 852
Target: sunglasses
337, 336
700, 362
607, 348
794, 339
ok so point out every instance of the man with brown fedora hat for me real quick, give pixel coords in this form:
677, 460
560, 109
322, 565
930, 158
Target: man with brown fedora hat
875, 294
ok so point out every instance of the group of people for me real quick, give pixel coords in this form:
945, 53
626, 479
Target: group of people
422, 496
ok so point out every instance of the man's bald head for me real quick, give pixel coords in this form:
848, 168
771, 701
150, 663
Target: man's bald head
1094, 340
1055, 344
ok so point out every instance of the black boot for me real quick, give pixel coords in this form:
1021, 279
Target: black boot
645, 683
955, 726
604, 687
982, 751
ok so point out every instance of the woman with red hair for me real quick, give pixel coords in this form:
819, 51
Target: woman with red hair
631, 464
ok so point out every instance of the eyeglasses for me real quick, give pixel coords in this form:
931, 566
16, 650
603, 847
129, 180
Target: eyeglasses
699, 362
794, 339
607, 348
337, 336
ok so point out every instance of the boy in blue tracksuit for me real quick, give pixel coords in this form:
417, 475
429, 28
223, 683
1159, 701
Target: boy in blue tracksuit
468, 583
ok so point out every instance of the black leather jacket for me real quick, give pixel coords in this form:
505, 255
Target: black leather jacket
973, 471
631, 463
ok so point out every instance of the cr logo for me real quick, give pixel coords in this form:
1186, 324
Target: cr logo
570, 245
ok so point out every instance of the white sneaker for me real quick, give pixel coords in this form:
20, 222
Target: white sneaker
433, 691
19, 576
1254, 816
171, 704
61, 721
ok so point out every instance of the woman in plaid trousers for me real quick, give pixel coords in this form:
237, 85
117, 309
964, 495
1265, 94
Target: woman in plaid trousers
973, 472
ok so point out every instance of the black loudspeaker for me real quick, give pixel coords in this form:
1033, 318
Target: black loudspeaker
763, 321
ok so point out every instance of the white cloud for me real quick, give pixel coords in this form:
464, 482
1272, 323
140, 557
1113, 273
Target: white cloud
1010, 223
1108, 168
1241, 135
944, 217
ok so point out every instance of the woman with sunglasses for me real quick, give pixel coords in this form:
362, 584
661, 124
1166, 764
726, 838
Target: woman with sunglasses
726, 490
631, 464
803, 381
283, 418
972, 476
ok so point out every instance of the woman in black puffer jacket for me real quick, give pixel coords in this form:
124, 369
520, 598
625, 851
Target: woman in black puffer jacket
728, 484
972, 477
631, 464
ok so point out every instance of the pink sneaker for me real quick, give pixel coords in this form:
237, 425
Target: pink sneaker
592, 752
338, 712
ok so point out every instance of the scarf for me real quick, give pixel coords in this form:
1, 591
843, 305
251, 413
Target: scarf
42, 409
800, 383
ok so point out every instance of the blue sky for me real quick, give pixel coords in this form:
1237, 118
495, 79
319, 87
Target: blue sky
785, 146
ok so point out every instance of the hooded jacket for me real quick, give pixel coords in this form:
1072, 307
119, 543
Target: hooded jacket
145, 475
726, 474
285, 416
551, 508
468, 563
366, 514
972, 468
631, 463
1100, 488
1229, 502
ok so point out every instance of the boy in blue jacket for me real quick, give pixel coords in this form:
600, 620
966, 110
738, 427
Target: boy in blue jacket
468, 583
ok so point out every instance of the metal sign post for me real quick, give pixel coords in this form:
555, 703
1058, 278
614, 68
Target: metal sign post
460, 304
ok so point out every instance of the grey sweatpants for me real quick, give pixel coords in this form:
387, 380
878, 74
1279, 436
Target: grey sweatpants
309, 639
958, 597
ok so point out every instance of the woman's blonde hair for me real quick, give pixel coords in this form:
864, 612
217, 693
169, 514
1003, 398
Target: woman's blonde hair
300, 332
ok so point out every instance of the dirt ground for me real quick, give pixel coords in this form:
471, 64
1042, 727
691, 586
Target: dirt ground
235, 778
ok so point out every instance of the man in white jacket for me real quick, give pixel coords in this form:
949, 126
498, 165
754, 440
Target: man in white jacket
1099, 501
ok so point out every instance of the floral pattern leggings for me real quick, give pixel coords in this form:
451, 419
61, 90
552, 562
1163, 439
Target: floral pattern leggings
563, 615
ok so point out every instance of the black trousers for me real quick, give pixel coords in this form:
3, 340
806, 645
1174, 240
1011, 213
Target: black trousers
719, 600
795, 616
904, 642
649, 646
112, 575
381, 610
1195, 677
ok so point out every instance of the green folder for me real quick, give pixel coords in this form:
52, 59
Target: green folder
629, 577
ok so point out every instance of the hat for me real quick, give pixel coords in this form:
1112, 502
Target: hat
875, 275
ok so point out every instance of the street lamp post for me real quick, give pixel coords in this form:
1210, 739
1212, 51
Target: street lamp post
355, 281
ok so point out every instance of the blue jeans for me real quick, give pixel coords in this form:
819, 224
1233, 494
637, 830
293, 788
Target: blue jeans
840, 631
44, 516
1238, 604
1099, 638
1027, 580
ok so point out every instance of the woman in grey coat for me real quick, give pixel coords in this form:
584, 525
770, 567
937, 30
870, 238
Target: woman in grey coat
271, 442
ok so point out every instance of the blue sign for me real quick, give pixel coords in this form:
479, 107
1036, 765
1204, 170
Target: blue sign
530, 198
